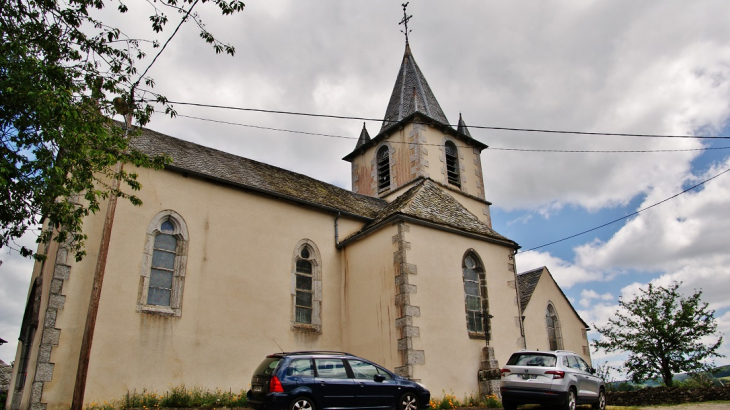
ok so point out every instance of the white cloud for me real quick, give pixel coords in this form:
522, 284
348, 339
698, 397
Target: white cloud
564, 273
588, 295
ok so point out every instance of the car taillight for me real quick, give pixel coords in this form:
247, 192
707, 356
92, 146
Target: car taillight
275, 385
557, 374
505, 371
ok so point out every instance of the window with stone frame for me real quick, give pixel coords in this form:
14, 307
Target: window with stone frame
306, 287
453, 172
163, 265
555, 338
383, 168
475, 299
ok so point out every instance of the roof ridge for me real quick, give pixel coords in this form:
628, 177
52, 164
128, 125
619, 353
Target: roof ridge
224, 166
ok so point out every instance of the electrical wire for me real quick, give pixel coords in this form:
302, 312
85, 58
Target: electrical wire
630, 215
342, 117
462, 146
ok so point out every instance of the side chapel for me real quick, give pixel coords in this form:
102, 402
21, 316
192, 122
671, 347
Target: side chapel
230, 258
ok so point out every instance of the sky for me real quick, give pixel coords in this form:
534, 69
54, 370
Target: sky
605, 66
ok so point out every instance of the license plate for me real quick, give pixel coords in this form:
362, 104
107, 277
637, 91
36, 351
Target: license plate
529, 376
256, 389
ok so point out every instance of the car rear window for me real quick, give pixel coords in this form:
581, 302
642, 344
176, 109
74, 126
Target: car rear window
267, 367
532, 359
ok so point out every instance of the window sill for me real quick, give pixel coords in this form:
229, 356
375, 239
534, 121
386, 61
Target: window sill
306, 328
158, 310
477, 335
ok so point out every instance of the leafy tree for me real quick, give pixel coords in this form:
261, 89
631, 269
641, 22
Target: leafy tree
63, 76
665, 333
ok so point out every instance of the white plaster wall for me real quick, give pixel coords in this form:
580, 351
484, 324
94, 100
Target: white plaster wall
369, 299
452, 358
536, 334
236, 299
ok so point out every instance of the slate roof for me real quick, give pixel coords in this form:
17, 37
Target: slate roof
364, 137
526, 283
425, 201
411, 93
222, 166
429, 202
462, 127
413, 101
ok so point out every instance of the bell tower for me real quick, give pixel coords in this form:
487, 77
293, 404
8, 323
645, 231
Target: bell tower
416, 141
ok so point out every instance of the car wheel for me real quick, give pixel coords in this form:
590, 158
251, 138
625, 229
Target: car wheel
508, 405
570, 401
601, 403
408, 401
302, 403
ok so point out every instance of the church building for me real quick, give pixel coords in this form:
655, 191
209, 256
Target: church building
230, 259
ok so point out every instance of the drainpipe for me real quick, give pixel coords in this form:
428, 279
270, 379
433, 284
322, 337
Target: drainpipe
519, 303
337, 231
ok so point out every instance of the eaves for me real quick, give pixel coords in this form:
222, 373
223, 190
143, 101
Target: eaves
405, 218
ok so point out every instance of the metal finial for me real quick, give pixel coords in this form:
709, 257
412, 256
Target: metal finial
406, 17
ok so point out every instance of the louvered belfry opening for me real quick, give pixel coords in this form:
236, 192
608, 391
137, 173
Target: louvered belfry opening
383, 169
452, 164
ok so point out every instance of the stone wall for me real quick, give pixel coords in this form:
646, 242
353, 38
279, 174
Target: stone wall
5, 373
667, 395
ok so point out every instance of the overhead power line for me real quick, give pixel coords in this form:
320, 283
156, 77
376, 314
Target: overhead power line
630, 215
485, 127
490, 148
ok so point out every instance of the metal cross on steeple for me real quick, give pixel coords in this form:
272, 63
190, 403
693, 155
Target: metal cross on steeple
405, 21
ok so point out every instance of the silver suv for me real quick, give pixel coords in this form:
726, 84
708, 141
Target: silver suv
552, 377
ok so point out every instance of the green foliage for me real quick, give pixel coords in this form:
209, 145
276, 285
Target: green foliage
177, 397
63, 75
699, 380
663, 333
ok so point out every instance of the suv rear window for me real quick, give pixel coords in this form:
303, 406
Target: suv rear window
532, 359
266, 368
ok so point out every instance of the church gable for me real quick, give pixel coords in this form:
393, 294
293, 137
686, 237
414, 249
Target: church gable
428, 203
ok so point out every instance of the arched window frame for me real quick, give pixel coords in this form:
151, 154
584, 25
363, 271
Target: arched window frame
383, 168
315, 260
180, 232
476, 330
552, 325
453, 166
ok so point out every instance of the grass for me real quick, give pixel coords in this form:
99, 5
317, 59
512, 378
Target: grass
177, 397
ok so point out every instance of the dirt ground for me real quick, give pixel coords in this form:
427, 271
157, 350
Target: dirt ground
692, 406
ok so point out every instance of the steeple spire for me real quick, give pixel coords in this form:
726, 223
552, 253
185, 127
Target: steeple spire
462, 127
411, 93
364, 137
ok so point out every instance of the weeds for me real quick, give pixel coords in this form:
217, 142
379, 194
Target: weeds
449, 401
177, 397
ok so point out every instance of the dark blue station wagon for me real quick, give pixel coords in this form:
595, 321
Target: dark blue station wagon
331, 380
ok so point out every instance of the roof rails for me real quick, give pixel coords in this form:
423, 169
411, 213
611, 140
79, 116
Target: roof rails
329, 352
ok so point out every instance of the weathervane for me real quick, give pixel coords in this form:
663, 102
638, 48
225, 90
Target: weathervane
405, 21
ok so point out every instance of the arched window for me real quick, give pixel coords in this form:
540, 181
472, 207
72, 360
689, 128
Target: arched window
555, 338
306, 287
452, 164
475, 299
163, 265
383, 164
